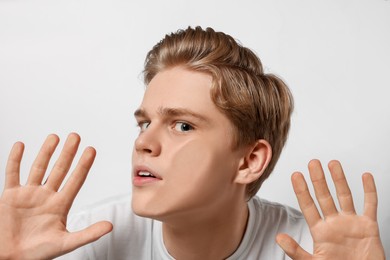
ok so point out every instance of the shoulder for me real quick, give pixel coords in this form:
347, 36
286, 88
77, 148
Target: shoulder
273, 218
108, 209
131, 234
277, 218
266, 220
273, 209
116, 209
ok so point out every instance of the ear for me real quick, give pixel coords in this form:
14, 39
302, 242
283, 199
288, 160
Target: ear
254, 163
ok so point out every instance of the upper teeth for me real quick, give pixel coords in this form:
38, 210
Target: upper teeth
145, 174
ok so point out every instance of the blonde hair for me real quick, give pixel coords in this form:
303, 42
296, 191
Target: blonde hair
259, 105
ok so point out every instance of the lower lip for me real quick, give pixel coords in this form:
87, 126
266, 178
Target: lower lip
141, 181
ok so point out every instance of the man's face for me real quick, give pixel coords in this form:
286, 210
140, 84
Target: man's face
183, 161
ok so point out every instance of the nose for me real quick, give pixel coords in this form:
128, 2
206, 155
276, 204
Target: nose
148, 142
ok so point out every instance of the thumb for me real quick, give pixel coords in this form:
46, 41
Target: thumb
291, 247
87, 235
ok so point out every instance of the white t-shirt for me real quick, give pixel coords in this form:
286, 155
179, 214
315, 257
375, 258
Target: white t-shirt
139, 238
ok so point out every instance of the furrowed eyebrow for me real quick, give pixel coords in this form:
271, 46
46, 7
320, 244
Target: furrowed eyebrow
140, 113
181, 112
171, 112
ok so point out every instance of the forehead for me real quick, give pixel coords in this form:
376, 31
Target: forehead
182, 93
179, 88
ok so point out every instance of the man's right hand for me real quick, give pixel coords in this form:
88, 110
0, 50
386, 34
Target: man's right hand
33, 217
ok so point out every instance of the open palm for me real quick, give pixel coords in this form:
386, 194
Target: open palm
338, 234
33, 217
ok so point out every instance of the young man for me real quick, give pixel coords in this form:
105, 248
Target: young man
212, 126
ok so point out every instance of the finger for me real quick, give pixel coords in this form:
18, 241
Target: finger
305, 200
12, 171
291, 247
62, 166
76, 180
40, 164
344, 195
370, 196
88, 235
321, 189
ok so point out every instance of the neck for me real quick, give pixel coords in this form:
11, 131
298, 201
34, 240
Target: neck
214, 236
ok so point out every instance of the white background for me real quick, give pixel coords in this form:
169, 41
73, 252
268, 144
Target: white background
76, 66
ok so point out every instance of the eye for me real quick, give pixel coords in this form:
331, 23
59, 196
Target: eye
143, 125
183, 127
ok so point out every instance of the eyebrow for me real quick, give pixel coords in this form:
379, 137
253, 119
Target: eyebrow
172, 112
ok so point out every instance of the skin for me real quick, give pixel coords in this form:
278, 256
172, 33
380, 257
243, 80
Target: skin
33, 216
340, 234
186, 141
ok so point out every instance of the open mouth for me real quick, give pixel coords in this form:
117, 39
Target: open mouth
146, 174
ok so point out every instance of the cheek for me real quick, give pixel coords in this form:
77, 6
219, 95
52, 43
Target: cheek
201, 163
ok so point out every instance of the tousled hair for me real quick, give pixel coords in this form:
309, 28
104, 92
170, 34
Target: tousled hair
259, 105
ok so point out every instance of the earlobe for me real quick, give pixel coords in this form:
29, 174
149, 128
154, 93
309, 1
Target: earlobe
254, 163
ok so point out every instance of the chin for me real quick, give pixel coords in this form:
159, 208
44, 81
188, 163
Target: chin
143, 209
